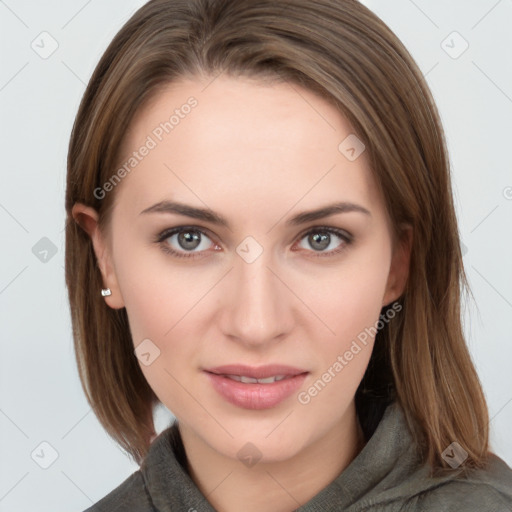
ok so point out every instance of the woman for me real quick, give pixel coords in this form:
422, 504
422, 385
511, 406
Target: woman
261, 193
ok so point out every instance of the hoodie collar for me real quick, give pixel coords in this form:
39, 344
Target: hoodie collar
387, 468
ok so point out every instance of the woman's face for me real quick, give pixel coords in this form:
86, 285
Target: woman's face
272, 284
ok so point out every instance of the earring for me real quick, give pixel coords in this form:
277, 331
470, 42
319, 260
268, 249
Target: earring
105, 292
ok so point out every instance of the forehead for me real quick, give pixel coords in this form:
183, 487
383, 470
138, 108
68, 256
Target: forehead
242, 141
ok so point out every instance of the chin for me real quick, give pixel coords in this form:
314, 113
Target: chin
249, 440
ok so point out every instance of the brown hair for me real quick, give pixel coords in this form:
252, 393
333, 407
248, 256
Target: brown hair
342, 51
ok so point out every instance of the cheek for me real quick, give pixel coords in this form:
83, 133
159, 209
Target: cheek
159, 298
350, 297
156, 319
155, 290
350, 307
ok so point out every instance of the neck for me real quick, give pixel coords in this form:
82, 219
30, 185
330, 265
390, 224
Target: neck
282, 486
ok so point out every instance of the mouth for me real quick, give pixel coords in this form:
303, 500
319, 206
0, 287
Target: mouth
256, 387
256, 374
251, 380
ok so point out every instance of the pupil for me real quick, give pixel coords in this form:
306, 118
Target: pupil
189, 239
322, 240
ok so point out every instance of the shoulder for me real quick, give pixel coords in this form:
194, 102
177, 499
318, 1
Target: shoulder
458, 496
488, 490
129, 496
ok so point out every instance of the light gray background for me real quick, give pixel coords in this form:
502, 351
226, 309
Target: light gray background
41, 398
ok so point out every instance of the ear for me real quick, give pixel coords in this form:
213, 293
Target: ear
399, 268
87, 218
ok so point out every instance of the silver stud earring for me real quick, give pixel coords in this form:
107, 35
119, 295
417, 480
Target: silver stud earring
105, 292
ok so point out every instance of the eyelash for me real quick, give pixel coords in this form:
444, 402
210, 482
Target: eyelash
164, 235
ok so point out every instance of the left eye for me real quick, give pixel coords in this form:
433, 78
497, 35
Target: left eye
192, 241
321, 239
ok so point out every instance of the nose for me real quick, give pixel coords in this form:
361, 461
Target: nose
257, 306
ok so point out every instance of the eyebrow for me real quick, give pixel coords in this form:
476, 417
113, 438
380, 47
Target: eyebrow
212, 217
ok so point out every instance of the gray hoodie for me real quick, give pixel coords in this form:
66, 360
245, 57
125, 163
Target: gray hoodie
384, 477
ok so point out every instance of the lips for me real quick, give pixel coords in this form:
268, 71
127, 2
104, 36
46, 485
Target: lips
252, 380
250, 387
256, 372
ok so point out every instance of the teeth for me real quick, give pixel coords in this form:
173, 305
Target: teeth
269, 379
248, 380
252, 380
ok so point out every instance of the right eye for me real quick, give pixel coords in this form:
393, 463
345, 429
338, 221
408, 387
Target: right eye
184, 241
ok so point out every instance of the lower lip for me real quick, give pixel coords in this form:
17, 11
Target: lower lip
255, 396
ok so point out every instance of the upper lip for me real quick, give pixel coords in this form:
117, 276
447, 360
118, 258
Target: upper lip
256, 372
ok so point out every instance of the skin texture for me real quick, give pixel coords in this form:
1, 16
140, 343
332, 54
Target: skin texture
257, 154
